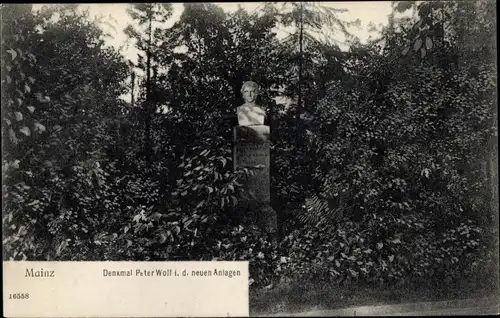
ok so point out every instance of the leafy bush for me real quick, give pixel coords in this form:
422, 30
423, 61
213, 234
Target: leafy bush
384, 249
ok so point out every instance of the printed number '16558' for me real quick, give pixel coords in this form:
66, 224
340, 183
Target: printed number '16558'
19, 296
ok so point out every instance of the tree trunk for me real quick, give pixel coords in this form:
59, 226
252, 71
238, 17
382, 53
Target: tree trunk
492, 163
132, 101
301, 39
148, 107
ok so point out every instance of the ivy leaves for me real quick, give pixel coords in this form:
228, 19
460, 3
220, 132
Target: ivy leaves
19, 100
13, 53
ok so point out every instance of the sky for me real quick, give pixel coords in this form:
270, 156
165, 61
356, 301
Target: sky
116, 14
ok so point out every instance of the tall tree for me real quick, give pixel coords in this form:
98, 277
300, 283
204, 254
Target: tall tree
309, 21
82, 81
147, 16
209, 51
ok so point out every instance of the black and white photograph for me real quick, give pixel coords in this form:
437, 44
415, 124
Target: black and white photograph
348, 151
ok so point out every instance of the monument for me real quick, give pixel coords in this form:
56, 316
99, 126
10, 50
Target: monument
251, 151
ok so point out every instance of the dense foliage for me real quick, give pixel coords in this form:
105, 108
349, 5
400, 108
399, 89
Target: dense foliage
381, 154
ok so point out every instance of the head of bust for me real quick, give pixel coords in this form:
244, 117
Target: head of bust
250, 91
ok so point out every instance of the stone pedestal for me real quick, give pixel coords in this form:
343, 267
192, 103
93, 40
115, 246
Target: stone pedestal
251, 151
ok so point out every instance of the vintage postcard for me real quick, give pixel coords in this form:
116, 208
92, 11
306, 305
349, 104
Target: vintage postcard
249, 159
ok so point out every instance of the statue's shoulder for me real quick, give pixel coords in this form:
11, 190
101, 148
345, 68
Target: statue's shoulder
243, 108
251, 108
259, 109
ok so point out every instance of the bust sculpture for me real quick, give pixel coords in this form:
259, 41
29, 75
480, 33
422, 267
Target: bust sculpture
250, 114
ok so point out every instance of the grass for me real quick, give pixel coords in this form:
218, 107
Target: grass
301, 296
